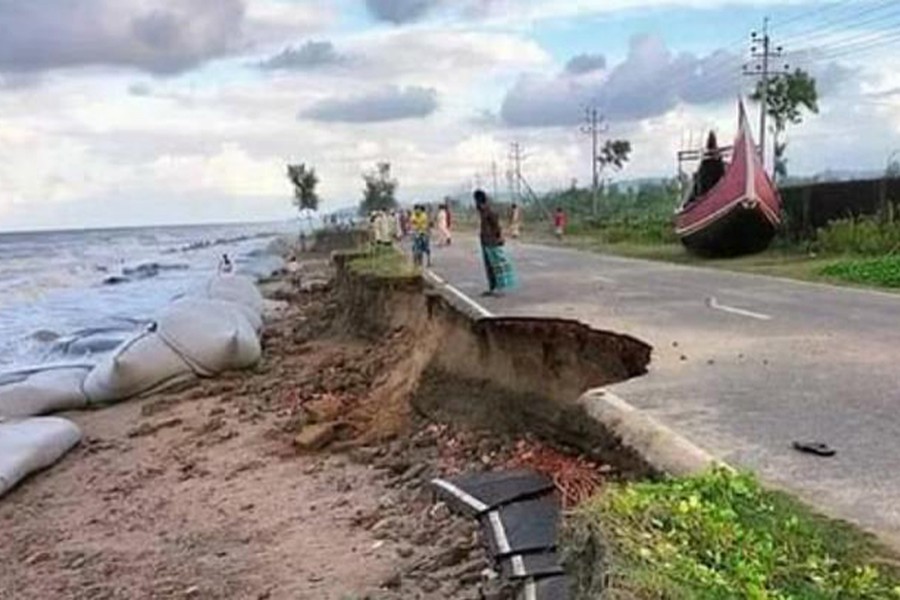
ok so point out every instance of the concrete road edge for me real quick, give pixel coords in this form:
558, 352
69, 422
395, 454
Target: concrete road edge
660, 447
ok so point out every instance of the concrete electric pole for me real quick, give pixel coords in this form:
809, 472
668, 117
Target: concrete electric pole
762, 51
593, 126
516, 157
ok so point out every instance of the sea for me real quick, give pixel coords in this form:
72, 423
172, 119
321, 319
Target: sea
57, 286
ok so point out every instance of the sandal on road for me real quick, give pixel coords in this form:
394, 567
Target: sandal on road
817, 448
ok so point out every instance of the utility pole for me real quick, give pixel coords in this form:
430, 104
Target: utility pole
594, 124
762, 51
516, 157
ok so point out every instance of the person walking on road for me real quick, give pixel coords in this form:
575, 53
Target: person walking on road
444, 237
499, 269
559, 222
515, 221
421, 244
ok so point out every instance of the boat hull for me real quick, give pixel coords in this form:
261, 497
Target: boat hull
742, 230
741, 213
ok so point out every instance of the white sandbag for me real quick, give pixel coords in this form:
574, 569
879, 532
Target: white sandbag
143, 364
223, 306
30, 445
211, 335
233, 288
42, 391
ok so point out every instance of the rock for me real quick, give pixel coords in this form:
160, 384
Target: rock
192, 592
316, 437
404, 551
326, 408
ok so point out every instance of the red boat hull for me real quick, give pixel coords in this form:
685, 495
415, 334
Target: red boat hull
741, 214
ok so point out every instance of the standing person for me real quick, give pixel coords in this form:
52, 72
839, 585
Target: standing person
225, 265
497, 266
404, 223
515, 221
443, 225
559, 222
421, 244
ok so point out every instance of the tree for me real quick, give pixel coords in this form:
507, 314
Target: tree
380, 189
304, 180
893, 170
614, 153
788, 95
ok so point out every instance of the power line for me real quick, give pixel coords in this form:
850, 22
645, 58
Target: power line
844, 22
805, 15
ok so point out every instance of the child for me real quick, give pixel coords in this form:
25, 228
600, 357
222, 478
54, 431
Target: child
559, 222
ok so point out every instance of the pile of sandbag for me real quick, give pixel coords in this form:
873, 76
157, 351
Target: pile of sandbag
211, 329
41, 391
29, 445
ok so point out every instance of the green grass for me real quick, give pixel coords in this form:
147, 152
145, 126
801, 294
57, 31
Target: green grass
383, 262
881, 272
715, 537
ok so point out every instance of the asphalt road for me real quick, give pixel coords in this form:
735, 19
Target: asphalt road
743, 365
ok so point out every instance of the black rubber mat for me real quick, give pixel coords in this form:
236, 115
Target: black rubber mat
548, 588
522, 566
523, 527
477, 493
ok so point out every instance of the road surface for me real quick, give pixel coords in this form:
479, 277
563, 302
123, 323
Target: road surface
743, 365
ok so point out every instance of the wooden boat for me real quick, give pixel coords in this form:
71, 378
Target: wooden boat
741, 213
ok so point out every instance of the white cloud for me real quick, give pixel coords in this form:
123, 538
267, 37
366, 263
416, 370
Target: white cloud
100, 145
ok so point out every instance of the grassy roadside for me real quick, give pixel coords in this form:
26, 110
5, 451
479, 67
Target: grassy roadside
385, 262
719, 536
791, 262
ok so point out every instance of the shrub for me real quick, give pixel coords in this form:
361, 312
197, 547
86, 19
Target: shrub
716, 536
864, 236
883, 271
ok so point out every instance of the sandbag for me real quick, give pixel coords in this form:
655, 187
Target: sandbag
212, 336
92, 342
42, 391
233, 288
143, 364
30, 445
254, 318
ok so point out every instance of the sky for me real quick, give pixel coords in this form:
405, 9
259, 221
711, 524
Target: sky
137, 112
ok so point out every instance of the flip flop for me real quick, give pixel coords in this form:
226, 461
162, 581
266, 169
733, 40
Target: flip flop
817, 448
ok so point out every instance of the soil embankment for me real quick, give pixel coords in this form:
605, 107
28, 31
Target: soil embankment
305, 478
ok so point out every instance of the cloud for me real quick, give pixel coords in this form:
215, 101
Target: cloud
401, 11
308, 56
158, 36
649, 82
389, 104
585, 63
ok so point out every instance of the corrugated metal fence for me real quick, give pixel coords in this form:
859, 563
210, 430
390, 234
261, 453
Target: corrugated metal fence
809, 207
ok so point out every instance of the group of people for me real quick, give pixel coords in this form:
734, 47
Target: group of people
393, 226
418, 224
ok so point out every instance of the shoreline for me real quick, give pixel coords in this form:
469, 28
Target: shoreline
216, 490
